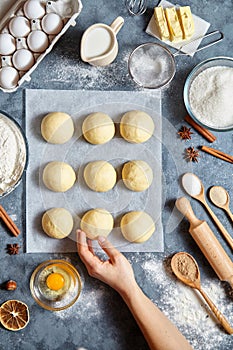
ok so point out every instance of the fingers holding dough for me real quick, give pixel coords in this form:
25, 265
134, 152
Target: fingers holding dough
97, 222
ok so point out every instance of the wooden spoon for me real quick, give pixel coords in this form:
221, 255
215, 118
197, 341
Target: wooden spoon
194, 187
220, 197
186, 270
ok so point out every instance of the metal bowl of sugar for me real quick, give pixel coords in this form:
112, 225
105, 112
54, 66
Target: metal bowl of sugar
208, 93
151, 66
13, 155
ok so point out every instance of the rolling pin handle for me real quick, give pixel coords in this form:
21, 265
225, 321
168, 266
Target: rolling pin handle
184, 206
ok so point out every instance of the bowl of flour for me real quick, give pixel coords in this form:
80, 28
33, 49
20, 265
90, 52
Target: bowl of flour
13, 154
208, 93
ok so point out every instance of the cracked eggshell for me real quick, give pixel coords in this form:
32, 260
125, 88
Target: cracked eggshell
9, 77
23, 59
37, 41
19, 27
34, 9
52, 23
7, 44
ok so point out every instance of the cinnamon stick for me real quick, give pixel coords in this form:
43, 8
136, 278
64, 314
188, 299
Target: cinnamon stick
218, 154
204, 132
9, 222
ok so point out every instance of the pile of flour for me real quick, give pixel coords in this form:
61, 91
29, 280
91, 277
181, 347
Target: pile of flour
12, 154
210, 97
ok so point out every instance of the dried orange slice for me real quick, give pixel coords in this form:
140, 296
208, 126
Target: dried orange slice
14, 315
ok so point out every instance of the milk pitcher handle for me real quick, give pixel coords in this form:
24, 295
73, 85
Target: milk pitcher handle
117, 24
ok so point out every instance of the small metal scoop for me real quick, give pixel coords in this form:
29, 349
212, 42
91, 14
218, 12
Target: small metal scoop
152, 65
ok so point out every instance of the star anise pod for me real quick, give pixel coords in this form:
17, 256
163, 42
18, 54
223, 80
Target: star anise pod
192, 154
185, 133
13, 249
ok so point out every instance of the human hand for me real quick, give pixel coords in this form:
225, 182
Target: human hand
117, 272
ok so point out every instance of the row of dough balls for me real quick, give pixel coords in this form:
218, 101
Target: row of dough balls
98, 128
100, 176
136, 226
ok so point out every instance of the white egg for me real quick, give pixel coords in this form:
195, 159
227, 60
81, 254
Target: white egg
37, 41
9, 77
7, 44
33, 9
19, 26
23, 59
52, 23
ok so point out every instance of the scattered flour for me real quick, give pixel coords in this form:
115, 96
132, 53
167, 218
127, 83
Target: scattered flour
211, 96
90, 76
187, 309
88, 304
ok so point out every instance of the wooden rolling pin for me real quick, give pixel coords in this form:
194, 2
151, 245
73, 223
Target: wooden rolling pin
207, 242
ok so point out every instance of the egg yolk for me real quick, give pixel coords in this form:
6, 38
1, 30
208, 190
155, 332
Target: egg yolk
55, 281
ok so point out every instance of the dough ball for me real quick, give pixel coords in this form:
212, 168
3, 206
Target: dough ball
57, 127
137, 175
58, 176
57, 223
136, 126
98, 128
137, 226
100, 176
97, 222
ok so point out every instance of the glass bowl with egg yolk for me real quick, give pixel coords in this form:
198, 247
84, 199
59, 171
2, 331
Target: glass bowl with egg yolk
55, 285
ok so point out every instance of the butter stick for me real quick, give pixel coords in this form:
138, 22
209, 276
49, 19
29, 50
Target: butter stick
161, 23
174, 26
186, 21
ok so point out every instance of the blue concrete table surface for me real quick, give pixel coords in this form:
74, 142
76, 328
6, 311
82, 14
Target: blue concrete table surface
100, 320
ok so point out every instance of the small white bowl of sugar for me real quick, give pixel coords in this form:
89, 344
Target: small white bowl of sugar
208, 93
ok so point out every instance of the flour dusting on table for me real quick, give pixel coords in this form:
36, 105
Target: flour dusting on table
88, 304
88, 76
186, 308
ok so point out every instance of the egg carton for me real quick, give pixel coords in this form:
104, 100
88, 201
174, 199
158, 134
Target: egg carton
28, 32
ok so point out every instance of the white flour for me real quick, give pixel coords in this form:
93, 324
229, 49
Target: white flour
210, 96
12, 154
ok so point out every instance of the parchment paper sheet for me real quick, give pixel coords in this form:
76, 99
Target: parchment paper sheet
77, 152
